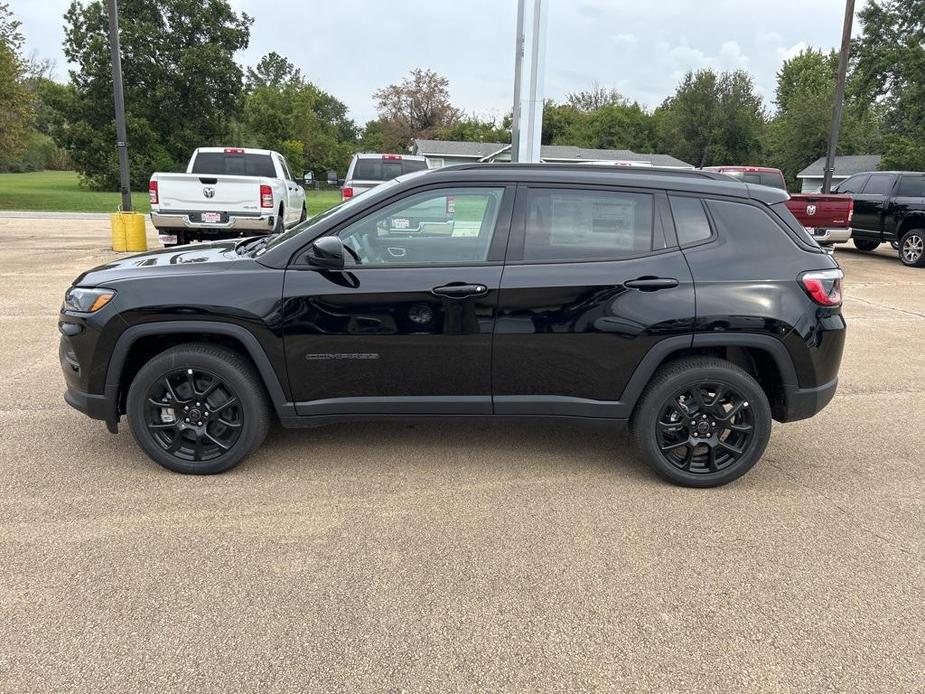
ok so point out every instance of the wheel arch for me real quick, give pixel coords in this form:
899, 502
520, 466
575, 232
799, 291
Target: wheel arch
910, 222
140, 342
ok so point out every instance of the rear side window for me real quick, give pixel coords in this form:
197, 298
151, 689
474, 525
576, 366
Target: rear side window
855, 184
734, 219
385, 169
574, 225
690, 220
911, 187
231, 164
879, 184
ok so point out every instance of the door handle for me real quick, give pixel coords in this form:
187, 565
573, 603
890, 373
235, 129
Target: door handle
651, 284
459, 291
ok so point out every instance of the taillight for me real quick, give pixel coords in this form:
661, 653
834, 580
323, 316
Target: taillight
346, 193
450, 204
266, 196
152, 191
850, 209
823, 286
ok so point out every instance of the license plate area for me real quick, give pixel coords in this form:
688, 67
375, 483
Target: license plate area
211, 217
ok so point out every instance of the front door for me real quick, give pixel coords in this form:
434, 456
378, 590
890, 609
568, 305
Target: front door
589, 287
406, 328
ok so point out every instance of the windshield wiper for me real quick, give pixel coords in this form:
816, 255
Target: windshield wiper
253, 246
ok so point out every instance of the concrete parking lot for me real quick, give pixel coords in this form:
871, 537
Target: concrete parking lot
459, 557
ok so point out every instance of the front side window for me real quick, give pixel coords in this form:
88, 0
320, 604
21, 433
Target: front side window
449, 225
690, 220
574, 225
879, 184
855, 184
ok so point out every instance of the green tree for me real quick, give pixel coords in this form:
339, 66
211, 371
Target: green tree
283, 111
15, 112
182, 85
416, 107
712, 119
599, 119
474, 129
889, 75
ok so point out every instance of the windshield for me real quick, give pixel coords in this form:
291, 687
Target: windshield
345, 206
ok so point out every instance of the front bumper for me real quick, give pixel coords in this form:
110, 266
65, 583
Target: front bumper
235, 222
803, 403
104, 407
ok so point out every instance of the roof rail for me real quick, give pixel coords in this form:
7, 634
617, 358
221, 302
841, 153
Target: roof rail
635, 170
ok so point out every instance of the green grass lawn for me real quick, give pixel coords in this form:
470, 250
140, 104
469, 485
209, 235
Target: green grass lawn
60, 191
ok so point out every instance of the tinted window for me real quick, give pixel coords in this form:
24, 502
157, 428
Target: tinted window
911, 187
855, 184
567, 225
879, 184
438, 226
690, 220
774, 180
229, 164
735, 219
385, 169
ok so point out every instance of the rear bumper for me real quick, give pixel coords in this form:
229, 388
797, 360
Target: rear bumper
803, 403
831, 235
235, 222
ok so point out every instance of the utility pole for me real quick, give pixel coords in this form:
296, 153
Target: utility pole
121, 136
839, 105
529, 73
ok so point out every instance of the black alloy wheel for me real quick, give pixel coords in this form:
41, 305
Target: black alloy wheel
198, 408
705, 428
702, 422
193, 415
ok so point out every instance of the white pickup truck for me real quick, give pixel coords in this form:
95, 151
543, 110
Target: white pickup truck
226, 192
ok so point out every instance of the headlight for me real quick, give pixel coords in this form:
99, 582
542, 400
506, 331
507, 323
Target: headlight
87, 300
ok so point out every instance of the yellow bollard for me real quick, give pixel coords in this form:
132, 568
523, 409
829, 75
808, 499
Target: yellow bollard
128, 232
118, 232
136, 239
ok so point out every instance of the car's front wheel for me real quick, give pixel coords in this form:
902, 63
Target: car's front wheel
198, 409
702, 422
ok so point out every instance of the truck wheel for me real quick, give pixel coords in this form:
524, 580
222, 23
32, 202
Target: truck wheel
198, 409
304, 215
702, 422
280, 225
912, 248
865, 245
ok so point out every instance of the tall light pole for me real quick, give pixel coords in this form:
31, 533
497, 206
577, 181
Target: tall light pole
839, 105
529, 74
121, 136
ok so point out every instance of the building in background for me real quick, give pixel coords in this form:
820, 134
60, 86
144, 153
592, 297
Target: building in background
845, 166
446, 153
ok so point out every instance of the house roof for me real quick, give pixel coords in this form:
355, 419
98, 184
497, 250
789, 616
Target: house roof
477, 150
846, 165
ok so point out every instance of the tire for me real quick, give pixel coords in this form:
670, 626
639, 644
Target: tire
865, 245
235, 412
668, 416
280, 225
304, 215
895, 245
912, 248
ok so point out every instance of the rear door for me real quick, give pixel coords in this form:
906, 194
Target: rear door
407, 327
592, 282
870, 205
908, 197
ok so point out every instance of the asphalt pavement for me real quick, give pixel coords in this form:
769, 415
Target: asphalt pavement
459, 557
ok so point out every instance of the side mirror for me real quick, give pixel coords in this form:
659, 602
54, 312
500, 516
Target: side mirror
326, 252
308, 177
332, 177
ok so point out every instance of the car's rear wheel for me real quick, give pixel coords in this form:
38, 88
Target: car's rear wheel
198, 409
280, 225
912, 248
702, 422
865, 244
304, 215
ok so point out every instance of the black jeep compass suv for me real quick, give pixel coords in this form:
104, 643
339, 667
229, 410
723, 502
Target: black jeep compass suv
690, 306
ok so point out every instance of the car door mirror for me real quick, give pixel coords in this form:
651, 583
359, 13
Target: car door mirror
326, 252
332, 177
308, 177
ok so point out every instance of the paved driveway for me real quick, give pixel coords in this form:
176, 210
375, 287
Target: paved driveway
456, 557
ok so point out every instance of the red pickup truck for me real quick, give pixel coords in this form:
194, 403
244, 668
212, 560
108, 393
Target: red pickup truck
826, 217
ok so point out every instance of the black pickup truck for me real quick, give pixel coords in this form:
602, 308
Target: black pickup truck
889, 207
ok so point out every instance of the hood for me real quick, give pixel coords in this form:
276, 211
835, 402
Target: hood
196, 259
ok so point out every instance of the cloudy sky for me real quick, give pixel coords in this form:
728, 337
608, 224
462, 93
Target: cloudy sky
642, 47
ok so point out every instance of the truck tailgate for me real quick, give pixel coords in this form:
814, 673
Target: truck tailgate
822, 211
202, 192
